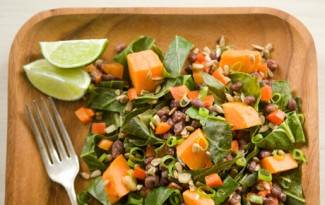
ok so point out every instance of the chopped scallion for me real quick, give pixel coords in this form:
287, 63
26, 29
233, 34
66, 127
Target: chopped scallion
298, 155
265, 175
278, 154
203, 92
256, 199
203, 112
206, 192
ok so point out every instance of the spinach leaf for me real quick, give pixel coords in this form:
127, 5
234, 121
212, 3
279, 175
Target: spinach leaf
188, 81
252, 154
106, 99
216, 88
277, 139
293, 190
248, 180
292, 120
115, 84
283, 88
176, 55
228, 187
96, 189
84, 198
161, 195
219, 136
193, 113
250, 85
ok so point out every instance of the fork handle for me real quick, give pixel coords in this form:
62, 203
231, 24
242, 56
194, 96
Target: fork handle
72, 194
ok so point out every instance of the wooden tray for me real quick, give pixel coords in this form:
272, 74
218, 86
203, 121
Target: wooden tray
26, 179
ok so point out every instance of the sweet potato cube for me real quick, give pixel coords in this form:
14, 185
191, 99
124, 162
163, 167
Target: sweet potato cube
194, 159
275, 166
190, 198
144, 68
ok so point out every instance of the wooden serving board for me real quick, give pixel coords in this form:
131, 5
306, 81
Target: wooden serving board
26, 179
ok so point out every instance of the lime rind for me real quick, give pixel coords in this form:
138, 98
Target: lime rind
62, 84
73, 53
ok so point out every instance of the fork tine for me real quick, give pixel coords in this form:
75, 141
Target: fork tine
38, 137
64, 132
51, 148
57, 139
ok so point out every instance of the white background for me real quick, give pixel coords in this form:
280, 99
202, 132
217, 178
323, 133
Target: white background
13, 14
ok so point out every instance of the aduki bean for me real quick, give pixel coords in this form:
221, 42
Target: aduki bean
178, 116
270, 108
213, 55
211, 109
249, 99
175, 103
163, 118
276, 190
192, 57
251, 166
264, 153
292, 105
119, 48
197, 103
195, 124
235, 199
107, 77
148, 166
100, 63
236, 86
268, 201
239, 190
148, 160
178, 128
283, 197
163, 182
117, 149
171, 123
151, 181
272, 64
162, 112
170, 151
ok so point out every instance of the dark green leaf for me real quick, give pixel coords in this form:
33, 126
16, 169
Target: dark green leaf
283, 88
219, 136
161, 195
277, 139
248, 180
193, 113
248, 158
83, 198
114, 84
295, 126
228, 187
96, 189
188, 81
216, 88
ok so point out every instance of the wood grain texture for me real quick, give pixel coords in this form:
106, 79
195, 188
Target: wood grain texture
26, 179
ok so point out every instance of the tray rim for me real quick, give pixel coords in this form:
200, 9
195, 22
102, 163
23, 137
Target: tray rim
45, 14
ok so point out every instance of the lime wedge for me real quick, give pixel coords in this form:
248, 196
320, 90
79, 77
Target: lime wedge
63, 84
73, 53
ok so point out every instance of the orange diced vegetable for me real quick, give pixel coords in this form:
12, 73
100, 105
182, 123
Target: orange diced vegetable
197, 159
219, 76
197, 77
98, 127
262, 67
208, 100
84, 114
213, 180
115, 69
240, 115
275, 165
179, 91
190, 198
200, 58
241, 60
262, 193
139, 173
96, 74
116, 189
105, 144
266, 93
276, 117
132, 94
234, 145
143, 67
150, 151
162, 128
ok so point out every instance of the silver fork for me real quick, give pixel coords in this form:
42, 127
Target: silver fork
61, 162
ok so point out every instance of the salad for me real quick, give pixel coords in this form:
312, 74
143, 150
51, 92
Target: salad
194, 126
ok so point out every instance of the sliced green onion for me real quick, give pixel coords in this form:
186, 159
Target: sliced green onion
257, 138
298, 155
170, 169
241, 161
265, 175
135, 199
284, 182
102, 157
203, 92
130, 163
256, 199
276, 98
173, 141
203, 112
166, 158
184, 101
205, 141
232, 67
301, 118
158, 150
206, 192
278, 154
135, 152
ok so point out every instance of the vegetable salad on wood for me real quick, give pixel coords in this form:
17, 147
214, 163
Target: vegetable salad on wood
194, 126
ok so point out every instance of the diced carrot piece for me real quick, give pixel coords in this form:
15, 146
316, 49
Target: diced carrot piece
143, 67
240, 115
262, 193
84, 114
90, 68
179, 91
241, 60
262, 67
105, 144
150, 151
275, 166
193, 94
139, 173
98, 127
115, 69
116, 189
132, 93
234, 145
219, 76
194, 160
190, 198
162, 128
208, 100
276, 117
266, 93
213, 180
200, 58
90, 112
197, 77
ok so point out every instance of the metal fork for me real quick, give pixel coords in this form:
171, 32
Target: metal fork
61, 162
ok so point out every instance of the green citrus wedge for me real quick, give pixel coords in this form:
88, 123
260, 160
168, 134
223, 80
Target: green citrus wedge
63, 84
73, 53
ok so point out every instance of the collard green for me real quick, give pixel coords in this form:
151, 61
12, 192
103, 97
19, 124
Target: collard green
283, 88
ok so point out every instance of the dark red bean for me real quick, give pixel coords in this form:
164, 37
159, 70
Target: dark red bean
178, 116
148, 166
175, 103
151, 181
235, 199
251, 166
162, 112
242, 143
117, 149
249, 99
163, 118
255, 74
170, 151
100, 63
292, 105
171, 122
270, 108
178, 128
264, 153
272, 64
283, 197
276, 190
119, 48
213, 55
166, 135
107, 77
195, 124
148, 160
197, 103
236, 86
211, 108
268, 201
192, 57
211, 71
